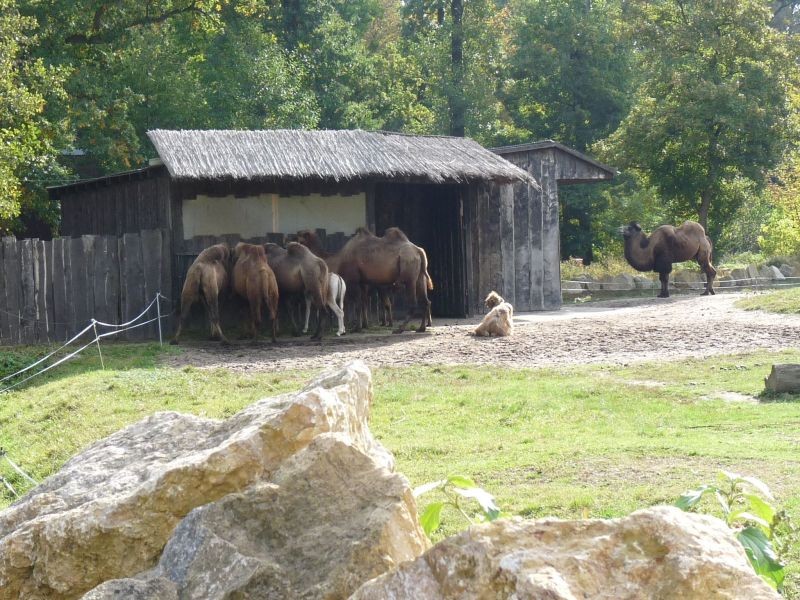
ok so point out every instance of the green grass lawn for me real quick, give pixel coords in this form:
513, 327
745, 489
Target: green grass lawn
576, 442
782, 301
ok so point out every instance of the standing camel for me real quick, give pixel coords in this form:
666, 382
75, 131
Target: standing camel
206, 279
368, 260
667, 245
254, 281
336, 292
299, 272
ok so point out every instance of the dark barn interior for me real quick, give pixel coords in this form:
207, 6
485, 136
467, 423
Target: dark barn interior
432, 217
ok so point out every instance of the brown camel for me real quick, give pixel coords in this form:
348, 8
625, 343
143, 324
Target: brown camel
299, 272
206, 279
667, 245
368, 260
254, 281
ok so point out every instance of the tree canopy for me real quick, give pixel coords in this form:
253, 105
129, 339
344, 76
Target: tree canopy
696, 101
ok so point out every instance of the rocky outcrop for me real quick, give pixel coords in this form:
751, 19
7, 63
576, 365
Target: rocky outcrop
331, 520
111, 509
658, 553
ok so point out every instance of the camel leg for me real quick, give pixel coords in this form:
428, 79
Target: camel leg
186, 308
273, 315
664, 278
216, 329
422, 296
364, 314
339, 315
711, 273
355, 290
308, 313
411, 296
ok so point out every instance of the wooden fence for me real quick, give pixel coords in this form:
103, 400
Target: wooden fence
50, 290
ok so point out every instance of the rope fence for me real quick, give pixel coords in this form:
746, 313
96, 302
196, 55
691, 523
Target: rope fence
6, 483
97, 335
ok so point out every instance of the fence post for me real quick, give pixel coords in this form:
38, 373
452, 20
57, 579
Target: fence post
97, 341
158, 314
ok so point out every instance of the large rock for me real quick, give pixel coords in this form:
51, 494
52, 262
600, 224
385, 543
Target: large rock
770, 273
332, 519
109, 511
689, 280
741, 277
658, 553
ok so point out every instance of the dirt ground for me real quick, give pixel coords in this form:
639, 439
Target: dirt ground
614, 331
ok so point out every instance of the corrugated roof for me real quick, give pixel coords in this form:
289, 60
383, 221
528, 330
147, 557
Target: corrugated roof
341, 155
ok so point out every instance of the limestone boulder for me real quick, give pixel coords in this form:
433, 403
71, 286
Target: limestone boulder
332, 519
689, 280
741, 277
787, 270
770, 273
658, 553
111, 509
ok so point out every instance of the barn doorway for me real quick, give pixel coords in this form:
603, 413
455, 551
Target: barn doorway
432, 217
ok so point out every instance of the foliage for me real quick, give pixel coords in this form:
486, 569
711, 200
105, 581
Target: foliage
27, 136
781, 233
747, 506
456, 489
714, 104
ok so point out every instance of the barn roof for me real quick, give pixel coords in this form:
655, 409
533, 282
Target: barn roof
580, 168
341, 155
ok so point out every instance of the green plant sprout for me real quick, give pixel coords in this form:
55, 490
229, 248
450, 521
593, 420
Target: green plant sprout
456, 489
746, 503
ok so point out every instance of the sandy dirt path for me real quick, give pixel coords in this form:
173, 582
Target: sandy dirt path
613, 332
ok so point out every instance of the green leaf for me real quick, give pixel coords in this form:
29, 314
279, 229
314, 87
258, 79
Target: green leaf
427, 487
431, 517
762, 556
691, 497
761, 508
759, 485
744, 515
462, 482
484, 498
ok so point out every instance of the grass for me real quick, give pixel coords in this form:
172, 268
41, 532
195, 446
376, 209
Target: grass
782, 301
572, 443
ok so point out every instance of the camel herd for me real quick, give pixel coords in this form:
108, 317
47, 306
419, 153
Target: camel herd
263, 275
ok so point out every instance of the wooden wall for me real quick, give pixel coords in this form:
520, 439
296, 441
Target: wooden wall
514, 245
126, 203
50, 290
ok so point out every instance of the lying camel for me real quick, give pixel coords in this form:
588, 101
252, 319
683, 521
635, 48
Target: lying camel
299, 272
206, 279
368, 260
254, 281
499, 320
667, 245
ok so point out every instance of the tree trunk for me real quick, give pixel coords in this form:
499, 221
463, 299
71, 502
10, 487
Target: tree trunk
702, 211
291, 23
456, 94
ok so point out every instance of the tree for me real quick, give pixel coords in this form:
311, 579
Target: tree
713, 107
27, 138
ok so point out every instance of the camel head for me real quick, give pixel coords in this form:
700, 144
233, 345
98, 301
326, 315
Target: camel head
630, 230
493, 299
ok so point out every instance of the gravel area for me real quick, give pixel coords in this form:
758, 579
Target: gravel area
612, 332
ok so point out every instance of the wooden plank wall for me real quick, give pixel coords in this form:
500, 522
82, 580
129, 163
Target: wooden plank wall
515, 245
50, 290
116, 205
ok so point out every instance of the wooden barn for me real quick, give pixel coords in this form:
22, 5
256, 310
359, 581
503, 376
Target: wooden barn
485, 222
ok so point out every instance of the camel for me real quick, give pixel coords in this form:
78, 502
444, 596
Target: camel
206, 279
299, 271
499, 320
254, 281
368, 260
667, 245
336, 292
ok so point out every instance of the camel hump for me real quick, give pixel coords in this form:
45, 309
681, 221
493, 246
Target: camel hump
218, 252
395, 234
364, 231
297, 250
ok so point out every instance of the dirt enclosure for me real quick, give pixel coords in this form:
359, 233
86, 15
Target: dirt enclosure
614, 331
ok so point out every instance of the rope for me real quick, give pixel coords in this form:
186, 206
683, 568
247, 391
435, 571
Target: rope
117, 328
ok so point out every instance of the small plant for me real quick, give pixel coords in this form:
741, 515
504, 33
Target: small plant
746, 503
457, 490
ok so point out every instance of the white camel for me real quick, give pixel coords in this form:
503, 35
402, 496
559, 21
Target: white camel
335, 301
